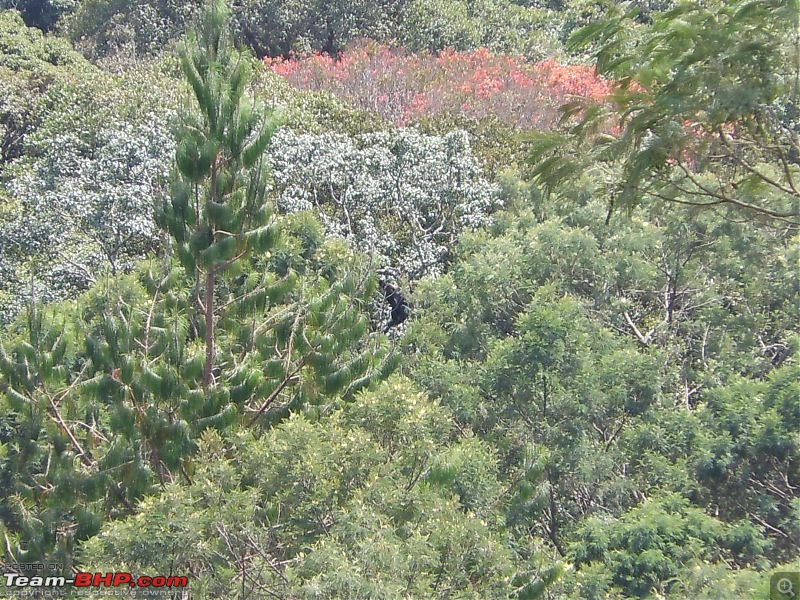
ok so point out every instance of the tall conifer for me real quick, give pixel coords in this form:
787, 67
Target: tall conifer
102, 403
218, 215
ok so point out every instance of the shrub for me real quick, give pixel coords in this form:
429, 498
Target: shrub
401, 86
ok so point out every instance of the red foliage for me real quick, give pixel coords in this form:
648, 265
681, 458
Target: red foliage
400, 86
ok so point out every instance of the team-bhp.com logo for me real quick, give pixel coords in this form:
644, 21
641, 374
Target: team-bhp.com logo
93, 580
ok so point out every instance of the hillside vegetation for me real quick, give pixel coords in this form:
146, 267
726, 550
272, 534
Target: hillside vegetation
591, 214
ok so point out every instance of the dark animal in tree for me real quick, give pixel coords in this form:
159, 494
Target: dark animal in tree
399, 305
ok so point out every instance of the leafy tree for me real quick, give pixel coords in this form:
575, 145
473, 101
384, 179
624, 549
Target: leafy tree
42, 14
439, 25
400, 196
749, 462
85, 158
378, 500
84, 207
652, 547
615, 351
509, 27
493, 141
104, 27
30, 64
104, 398
707, 110
275, 28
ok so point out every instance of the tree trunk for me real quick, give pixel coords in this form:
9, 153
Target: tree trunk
209, 310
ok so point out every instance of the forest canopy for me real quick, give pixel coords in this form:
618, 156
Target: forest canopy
587, 216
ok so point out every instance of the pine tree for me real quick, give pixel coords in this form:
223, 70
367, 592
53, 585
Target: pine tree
218, 214
102, 401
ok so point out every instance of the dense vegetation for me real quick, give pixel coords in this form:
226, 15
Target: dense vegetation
594, 213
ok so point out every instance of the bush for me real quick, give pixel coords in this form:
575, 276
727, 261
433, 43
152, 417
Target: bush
400, 86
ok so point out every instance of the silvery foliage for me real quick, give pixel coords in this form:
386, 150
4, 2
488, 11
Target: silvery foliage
84, 205
400, 195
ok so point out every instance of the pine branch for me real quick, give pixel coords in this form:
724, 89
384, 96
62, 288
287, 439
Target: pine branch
274, 395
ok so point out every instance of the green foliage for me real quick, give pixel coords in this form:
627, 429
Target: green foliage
399, 196
217, 214
621, 396
27, 49
82, 207
436, 25
346, 507
42, 14
105, 397
650, 548
30, 64
70, 218
105, 27
492, 141
274, 27
312, 112
750, 455
705, 112
85, 156
613, 350
509, 27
